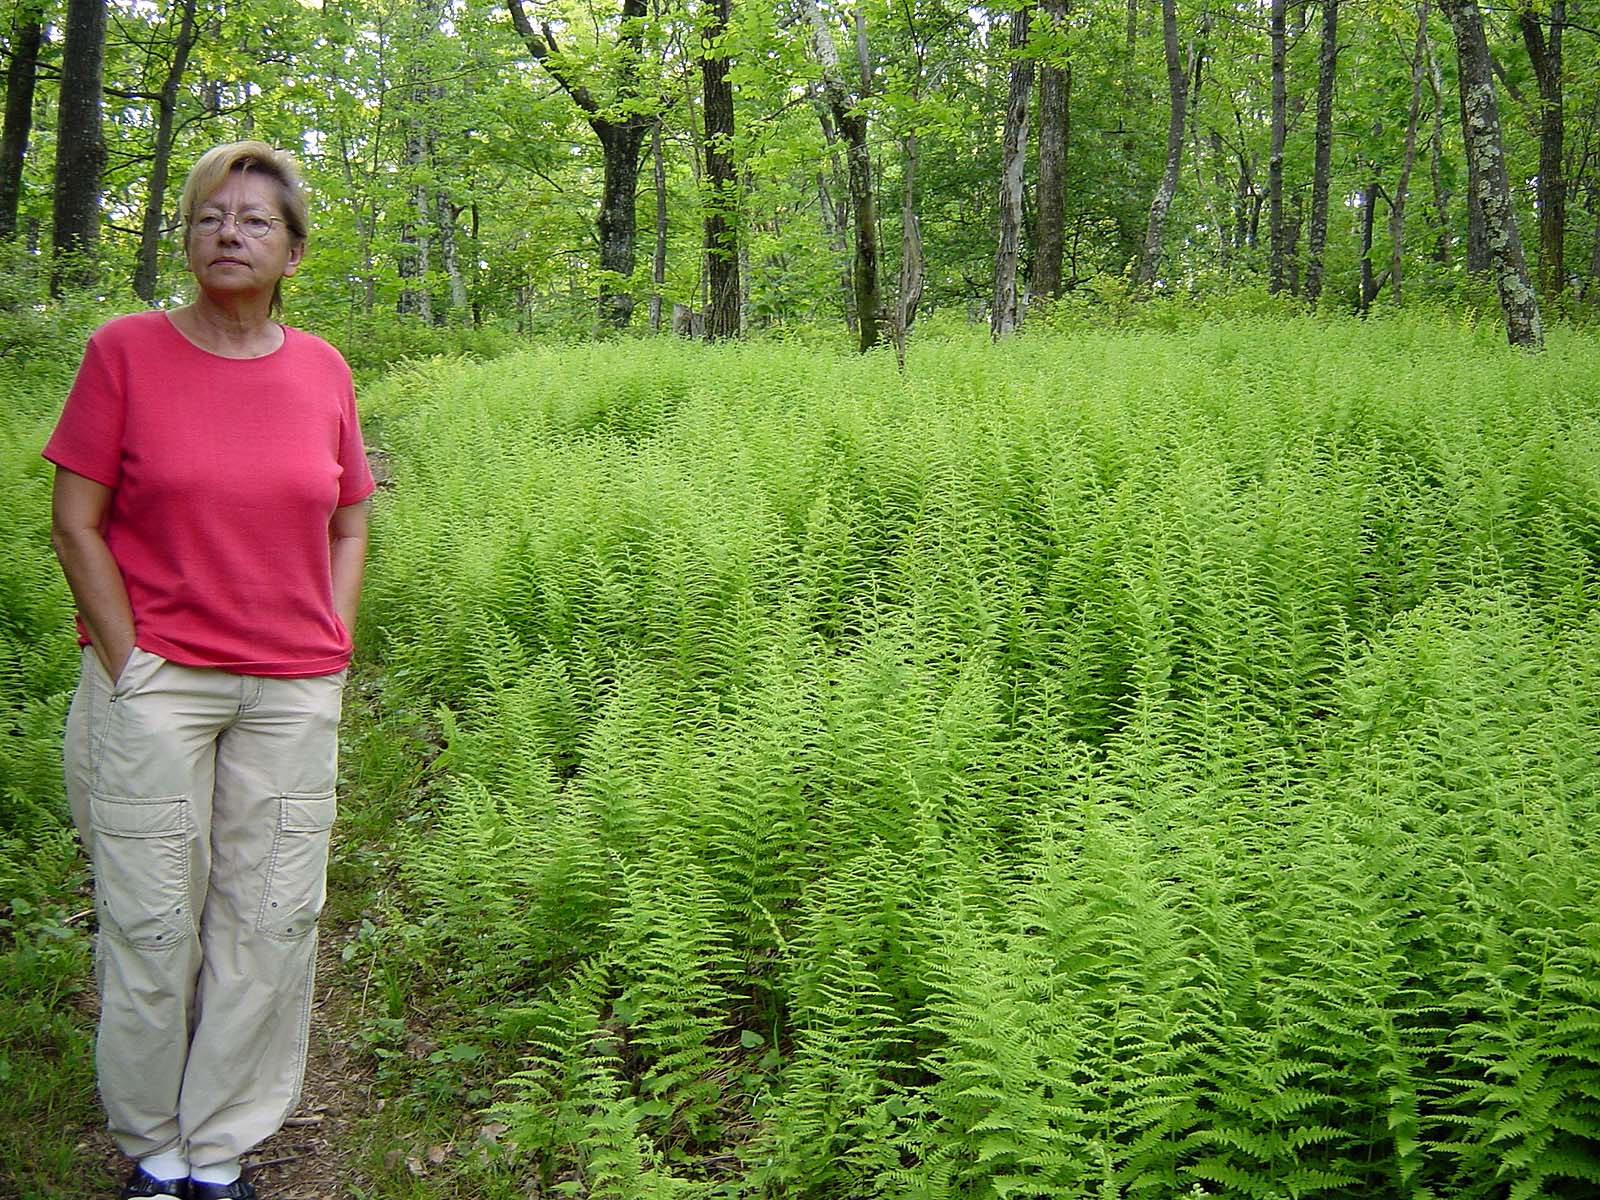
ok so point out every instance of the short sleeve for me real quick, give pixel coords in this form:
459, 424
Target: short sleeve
88, 438
355, 481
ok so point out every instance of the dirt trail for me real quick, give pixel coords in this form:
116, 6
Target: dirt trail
315, 1156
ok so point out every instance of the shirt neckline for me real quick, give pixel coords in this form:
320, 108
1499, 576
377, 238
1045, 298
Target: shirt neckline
199, 349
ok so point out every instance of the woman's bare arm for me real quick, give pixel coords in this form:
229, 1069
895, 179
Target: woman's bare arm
347, 549
78, 507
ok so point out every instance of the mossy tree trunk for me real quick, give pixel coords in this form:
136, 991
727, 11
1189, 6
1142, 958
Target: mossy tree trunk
1486, 151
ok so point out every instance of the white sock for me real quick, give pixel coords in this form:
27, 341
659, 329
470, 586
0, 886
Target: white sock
169, 1164
223, 1172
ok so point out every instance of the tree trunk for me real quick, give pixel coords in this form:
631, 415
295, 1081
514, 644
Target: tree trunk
1055, 91
416, 236
836, 221
617, 225
746, 187
1006, 314
852, 122
80, 147
1485, 148
658, 261
1291, 243
621, 139
147, 271
1397, 205
1243, 199
1546, 56
419, 233
445, 221
722, 188
1317, 237
1477, 228
1441, 193
1367, 288
1594, 252
21, 77
912, 265
1280, 130
1178, 101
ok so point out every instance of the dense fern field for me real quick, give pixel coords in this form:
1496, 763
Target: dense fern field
1111, 764
1117, 763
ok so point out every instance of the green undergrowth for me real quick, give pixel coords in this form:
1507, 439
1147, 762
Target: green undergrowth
46, 1068
1154, 757
1115, 763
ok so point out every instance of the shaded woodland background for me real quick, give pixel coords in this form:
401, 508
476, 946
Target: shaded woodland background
734, 164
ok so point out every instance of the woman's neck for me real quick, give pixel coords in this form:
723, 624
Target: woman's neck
246, 330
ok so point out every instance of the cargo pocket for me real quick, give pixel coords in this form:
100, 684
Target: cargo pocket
141, 868
297, 880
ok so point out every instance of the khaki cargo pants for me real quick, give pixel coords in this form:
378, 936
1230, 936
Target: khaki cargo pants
205, 801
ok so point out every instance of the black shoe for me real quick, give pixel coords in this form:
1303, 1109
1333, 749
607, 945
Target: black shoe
142, 1183
237, 1190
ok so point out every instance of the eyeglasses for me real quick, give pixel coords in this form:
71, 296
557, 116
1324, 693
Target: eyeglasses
252, 225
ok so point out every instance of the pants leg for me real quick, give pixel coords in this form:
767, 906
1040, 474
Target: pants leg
139, 759
205, 801
271, 817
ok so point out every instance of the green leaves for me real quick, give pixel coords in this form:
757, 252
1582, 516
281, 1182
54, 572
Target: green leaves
1122, 765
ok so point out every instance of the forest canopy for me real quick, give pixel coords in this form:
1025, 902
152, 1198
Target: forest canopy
734, 164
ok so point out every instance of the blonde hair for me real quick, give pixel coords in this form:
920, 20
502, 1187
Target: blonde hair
217, 163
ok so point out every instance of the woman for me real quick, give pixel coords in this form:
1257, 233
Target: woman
209, 517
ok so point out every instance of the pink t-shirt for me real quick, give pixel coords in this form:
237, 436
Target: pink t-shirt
224, 473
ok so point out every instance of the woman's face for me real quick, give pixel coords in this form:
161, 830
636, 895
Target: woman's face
230, 262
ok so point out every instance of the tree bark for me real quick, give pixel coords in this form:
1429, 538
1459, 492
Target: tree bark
1055, 130
621, 139
1317, 236
658, 260
1291, 243
446, 219
852, 122
912, 265
1279, 134
1006, 314
1178, 101
836, 213
1441, 193
80, 147
1545, 52
21, 77
416, 235
148, 268
1397, 203
1594, 252
722, 187
1477, 228
1367, 290
1485, 149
